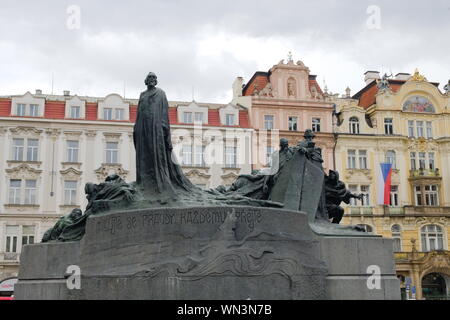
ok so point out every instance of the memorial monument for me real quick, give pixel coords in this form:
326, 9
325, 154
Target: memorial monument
271, 235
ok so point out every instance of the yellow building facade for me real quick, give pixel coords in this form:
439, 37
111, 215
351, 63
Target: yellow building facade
404, 121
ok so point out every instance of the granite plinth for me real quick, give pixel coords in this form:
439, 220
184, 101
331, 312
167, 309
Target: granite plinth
204, 253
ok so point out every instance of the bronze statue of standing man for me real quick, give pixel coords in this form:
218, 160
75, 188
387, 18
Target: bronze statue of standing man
156, 172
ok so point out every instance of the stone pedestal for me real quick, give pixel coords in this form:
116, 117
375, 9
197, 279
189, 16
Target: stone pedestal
207, 253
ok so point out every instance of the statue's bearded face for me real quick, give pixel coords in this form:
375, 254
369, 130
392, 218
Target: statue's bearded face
151, 80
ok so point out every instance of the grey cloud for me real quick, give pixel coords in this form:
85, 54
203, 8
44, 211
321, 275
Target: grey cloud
121, 41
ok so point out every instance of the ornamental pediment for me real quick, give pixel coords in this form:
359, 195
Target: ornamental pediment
23, 171
71, 173
26, 130
107, 169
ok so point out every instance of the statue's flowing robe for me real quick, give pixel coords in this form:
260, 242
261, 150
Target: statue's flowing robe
156, 172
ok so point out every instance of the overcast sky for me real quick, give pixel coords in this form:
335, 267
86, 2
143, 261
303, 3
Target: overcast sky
202, 46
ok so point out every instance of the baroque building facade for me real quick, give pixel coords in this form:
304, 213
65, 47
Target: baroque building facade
404, 121
52, 145
283, 102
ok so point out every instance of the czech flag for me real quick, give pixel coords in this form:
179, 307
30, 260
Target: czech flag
384, 184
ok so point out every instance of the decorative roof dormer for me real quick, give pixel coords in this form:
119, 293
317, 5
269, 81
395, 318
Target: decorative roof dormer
75, 108
27, 106
229, 115
192, 113
113, 108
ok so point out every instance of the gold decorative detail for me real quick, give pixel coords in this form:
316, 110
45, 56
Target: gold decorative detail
417, 76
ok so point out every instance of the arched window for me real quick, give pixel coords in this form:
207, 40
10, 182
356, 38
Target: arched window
396, 231
432, 237
366, 227
354, 125
390, 158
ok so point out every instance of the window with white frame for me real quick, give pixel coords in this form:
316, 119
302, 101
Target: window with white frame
20, 109
107, 114
362, 155
72, 150
120, 114
198, 117
418, 195
351, 159
15, 188
412, 157
34, 110
353, 189
199, 156
186, 156
32, 149
75, 112
230, 157
315, 125
419, 127
394, 196
410, 128
388, 126
354, 125
30, 192
18, 146
431, 160
12, 234
28, 234
422, 160
396, 232
432, 237
112, 152
365, 190
70, 192
429, 130
431, 195
22, 191
187, 117
268, 122
292, 123
390, 158
229, 119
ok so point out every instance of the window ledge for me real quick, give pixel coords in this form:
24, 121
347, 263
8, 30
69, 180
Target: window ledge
13, 205
27, 162
69, 206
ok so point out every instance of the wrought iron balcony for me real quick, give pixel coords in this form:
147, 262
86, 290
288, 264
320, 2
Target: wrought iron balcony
425, 173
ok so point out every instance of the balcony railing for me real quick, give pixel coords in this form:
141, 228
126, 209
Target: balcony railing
11, 256
361, 210
394, 210
426, 173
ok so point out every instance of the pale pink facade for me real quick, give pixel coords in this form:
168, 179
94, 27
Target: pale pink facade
284, 102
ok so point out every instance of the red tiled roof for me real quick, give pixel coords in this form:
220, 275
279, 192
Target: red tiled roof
91, 111
5, 108
260, 79
313, 83
133, 113
55, 110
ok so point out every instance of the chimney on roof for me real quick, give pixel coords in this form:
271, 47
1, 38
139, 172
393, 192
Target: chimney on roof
370, 76
237, 87
38, 91
347, 92
66, 93
402, 76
